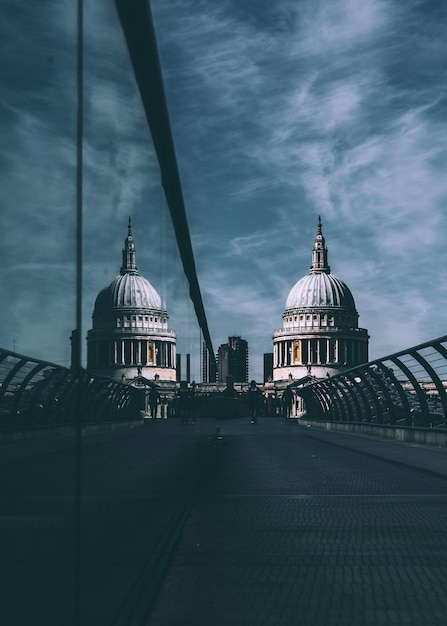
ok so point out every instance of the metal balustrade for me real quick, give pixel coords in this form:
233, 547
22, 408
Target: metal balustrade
38, 393
407, 388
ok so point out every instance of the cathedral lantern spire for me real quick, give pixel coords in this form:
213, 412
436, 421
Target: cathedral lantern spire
319, 253
129, 260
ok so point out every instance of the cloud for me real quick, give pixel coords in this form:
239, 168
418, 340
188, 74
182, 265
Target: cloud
280, 112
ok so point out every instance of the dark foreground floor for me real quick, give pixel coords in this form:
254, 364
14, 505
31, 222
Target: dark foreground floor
268, 524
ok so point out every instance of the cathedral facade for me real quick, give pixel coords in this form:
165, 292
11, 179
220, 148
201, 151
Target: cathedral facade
130, 337
320, 334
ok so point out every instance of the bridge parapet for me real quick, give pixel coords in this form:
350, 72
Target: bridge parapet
408, 388
39, 393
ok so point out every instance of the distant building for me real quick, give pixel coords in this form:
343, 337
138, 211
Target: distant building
178, 366
268, 367
130, 337
207, 377
320, 334
232, 360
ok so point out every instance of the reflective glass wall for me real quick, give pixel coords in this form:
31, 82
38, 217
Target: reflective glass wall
120, 177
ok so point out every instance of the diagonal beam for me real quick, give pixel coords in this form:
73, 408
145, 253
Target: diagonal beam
138, 28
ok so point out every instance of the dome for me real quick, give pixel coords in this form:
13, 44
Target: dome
130, 340
128, 291
320, 336
320, 290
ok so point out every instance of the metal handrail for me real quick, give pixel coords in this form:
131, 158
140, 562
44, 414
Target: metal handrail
408, 387
39, 393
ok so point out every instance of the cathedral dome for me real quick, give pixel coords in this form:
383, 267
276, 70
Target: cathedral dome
320, 335
128, 291
130, 340
320, 290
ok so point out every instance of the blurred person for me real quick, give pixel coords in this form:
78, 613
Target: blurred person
154, 401
286, 402
254, 401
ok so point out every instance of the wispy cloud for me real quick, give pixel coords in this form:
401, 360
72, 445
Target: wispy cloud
280, 112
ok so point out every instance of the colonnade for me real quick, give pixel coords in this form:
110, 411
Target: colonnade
319, 351
136, 352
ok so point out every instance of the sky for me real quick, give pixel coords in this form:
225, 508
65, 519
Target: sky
280, 112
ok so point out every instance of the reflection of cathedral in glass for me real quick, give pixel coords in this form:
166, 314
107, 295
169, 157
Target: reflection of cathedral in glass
320, 334
130, 334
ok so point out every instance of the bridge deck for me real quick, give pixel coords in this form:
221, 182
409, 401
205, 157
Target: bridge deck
268, 524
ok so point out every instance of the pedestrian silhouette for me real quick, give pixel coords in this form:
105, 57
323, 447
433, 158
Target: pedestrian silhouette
254, 401
286, 402
154, 401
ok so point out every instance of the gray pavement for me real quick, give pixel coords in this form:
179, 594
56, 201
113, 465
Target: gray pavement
432, 459
270, 523
136, 485
302, 527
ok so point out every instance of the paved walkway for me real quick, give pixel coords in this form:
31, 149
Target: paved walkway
265, 524
136, 486
427, 458
289, 528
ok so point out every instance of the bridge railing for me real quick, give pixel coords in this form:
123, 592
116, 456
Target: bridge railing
38, 393
407, 388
